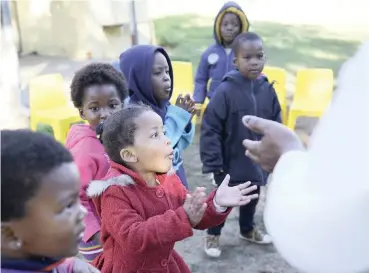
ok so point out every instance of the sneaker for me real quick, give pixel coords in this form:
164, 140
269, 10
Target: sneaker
210, 177
212, 246
257, 236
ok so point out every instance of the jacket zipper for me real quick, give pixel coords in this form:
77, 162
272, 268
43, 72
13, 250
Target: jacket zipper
227, 55
253, 98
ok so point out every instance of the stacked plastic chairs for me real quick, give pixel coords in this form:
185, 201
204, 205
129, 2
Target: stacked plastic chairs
50, 111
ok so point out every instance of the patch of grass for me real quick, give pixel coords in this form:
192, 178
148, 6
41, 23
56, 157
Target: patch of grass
287, 46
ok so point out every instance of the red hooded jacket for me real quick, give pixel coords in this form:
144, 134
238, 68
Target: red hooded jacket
140, 224
93, 164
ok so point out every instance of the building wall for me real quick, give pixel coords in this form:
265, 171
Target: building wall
78, 29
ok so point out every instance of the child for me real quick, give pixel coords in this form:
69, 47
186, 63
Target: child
144, 210
242, 92
97, 90
41, 215
149, 73
217, 59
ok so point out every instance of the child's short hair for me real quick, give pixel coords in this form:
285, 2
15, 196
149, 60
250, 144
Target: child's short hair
243, 37
26, 157
120, 128
97, 74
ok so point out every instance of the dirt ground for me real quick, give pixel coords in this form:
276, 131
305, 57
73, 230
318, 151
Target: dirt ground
237, 255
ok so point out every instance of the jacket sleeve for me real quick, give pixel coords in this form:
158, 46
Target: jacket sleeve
177, 121
201, 79
129, 229
211, 217
88, 167
66, 266
276, 107
212, 127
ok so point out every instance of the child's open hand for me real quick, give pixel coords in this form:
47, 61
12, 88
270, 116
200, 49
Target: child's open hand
234, 196
195, 206
186, 103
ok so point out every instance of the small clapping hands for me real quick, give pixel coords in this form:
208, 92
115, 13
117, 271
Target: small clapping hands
195, 203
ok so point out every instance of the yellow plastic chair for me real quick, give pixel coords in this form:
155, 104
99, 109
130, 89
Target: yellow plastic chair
279, 76
183, 79
49, 106
314, 89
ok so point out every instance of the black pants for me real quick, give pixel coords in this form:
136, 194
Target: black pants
246, 218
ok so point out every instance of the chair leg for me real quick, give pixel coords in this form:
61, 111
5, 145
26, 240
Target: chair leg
284, 115
292, 119
59, 133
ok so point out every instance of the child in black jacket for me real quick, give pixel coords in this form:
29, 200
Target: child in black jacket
242, 92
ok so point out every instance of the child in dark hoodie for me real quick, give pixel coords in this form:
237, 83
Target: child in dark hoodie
41, 215
149, 73
217, 59
242, 92
97, 91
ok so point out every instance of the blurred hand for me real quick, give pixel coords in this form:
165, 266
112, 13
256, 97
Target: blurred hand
195, 206
186, 103
277, 139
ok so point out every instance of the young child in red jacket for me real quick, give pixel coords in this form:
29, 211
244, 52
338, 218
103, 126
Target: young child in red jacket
97, 90
143, 206
41, 215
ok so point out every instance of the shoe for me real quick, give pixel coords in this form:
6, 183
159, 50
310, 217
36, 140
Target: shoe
210, 177
212, 246
257, 236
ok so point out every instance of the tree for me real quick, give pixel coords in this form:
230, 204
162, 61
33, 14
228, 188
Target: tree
12, 116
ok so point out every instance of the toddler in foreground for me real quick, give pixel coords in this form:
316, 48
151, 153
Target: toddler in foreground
41, 215
143, 206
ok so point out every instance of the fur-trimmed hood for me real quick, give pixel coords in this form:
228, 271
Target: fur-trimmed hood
97, 187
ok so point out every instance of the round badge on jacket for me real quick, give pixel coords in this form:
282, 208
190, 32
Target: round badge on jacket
213, 58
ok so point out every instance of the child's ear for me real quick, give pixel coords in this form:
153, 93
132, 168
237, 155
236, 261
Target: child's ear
8, 239
128, 155
80, 111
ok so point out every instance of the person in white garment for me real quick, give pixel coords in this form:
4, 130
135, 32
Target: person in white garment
321, 193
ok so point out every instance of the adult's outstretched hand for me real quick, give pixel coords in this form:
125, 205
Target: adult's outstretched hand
276, 140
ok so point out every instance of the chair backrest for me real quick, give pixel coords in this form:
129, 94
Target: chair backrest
279, 76
183, 79
314, 86
46, 92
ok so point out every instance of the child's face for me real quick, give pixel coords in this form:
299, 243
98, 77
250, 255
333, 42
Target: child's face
160, 78
151, 150
99, 102
230, 27
53, 223
250, 59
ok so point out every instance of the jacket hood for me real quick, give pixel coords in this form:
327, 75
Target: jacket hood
136, 64
128, 177
232, 7
77, 133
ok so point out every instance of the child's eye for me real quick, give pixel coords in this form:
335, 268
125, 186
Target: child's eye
113, 106
94, 109
167, 72
155, 135
260, 56
157, 72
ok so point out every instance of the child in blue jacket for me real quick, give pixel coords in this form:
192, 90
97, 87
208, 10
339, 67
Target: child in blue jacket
217, 59
242, 92
149, 74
